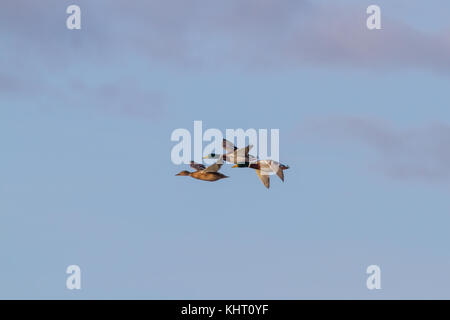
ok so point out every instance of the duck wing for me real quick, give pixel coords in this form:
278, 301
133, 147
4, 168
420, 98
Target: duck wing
241, 155
280, 174
215, 167
264, 178
252, 158
197, 166
276, 167
228, 146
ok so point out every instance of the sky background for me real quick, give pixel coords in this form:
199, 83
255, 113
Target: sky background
86, 176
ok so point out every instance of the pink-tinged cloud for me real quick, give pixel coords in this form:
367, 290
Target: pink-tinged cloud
339, 36
277, 34
247, 34
421, 154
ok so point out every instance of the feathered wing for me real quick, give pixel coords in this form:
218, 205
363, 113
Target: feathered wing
241, 155
228, 146
252, 158
264, 178
280, 174
215, 167
197, 166
276, 167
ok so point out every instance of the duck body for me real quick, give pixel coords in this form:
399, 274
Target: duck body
264, 168
208, 176
204, 173
267, 166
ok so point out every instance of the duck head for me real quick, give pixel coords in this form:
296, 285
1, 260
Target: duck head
212, 156
183, 173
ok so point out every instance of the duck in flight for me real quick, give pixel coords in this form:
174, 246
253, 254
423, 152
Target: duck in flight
241, 159
204, 173
265, 168
233, 154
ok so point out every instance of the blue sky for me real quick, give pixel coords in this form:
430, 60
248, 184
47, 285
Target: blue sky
86, 177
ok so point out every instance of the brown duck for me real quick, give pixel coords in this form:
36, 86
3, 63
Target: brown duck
204, 173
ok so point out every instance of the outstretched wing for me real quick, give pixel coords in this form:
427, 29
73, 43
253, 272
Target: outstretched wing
264, 178
215, 167
241, 155
276, 167
197, 166
228, 146
252, 158
280, 174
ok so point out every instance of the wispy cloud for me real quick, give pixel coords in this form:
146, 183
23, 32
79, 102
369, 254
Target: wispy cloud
252, 34
264, 33
274, 34
44, 63
421, 153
